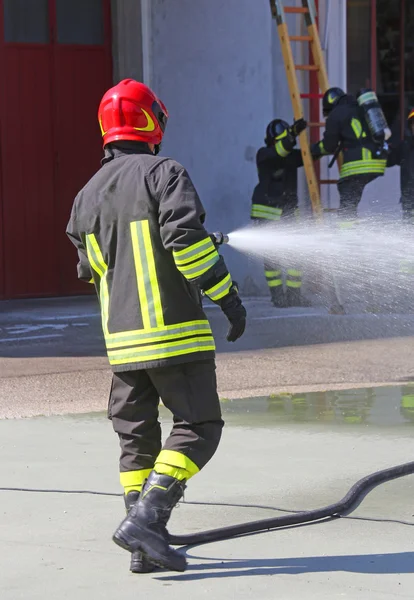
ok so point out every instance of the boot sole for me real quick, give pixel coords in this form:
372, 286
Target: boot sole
150, 554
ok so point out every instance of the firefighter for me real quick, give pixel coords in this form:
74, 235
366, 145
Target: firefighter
138, 225
364, 159
275, 198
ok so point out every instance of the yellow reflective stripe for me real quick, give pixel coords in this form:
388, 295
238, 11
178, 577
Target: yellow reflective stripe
272, 273
221, 289
263, 208
177, 328
274, 282
294, 284
152, 272
188, 252
280, 149
203, 248
366, 154
140, 275
160, 351
294, 273
322, 148
100, 267
282, 135
363, 166
176, 459
357, 127
201, 266
130, 479
162, 336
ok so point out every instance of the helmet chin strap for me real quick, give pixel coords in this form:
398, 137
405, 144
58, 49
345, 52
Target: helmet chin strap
157, 148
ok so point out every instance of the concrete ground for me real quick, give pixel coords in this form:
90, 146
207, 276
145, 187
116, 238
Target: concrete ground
278, 453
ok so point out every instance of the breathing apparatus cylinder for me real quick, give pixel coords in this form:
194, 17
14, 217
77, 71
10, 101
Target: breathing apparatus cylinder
376, 121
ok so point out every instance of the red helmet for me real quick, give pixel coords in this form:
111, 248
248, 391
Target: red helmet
131, 111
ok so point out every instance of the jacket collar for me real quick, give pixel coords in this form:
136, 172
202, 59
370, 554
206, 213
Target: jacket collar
118, 149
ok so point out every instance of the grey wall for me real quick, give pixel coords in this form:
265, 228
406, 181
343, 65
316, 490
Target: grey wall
127, 51
212, 66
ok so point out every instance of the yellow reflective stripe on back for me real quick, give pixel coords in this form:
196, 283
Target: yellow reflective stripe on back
152, 272
177, 459
98, 264
146, 274
157, 336
160, 351
272, 273
366, 154
139, 272
357, 127
221, 289
165, 330
293, 284
294, 273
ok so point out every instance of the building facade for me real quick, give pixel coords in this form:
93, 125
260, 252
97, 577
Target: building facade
217, 66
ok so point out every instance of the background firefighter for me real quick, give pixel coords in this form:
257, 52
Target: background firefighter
138, 227
347, 131
275, 198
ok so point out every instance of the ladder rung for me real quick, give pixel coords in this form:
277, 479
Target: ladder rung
306, 68
312, 95
316, 124
301, 38
327, 181
296, 9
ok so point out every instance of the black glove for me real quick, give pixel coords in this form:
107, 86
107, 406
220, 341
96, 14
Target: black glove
234, 310
298, 126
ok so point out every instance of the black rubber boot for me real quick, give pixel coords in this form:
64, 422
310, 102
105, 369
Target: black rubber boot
278, 297
139, 562
294, 298
145, 526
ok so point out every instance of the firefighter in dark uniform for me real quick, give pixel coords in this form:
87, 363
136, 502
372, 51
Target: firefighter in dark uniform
364, 160
138, 227
275, 198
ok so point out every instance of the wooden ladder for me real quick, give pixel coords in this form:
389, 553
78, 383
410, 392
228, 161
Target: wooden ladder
308, 10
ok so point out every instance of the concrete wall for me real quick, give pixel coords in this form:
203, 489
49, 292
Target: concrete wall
127, 45
212, 66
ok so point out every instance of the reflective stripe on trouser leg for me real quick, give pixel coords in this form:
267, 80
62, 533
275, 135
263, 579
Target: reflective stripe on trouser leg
273, 278
133, 480
189, 391
293, 278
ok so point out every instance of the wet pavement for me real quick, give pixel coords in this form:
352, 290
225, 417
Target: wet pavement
279, 454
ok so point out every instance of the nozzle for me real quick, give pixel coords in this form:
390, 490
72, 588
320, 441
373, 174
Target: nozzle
219, 238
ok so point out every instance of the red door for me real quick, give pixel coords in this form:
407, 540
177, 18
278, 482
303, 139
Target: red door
55, 64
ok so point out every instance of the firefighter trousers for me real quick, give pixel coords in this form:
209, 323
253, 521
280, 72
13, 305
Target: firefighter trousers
189, 391
350, 193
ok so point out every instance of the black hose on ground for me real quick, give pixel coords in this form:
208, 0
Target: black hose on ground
352, 499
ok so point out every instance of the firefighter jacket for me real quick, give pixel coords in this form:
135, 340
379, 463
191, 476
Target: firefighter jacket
347, 130
403, 154
276, 193
138, 228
